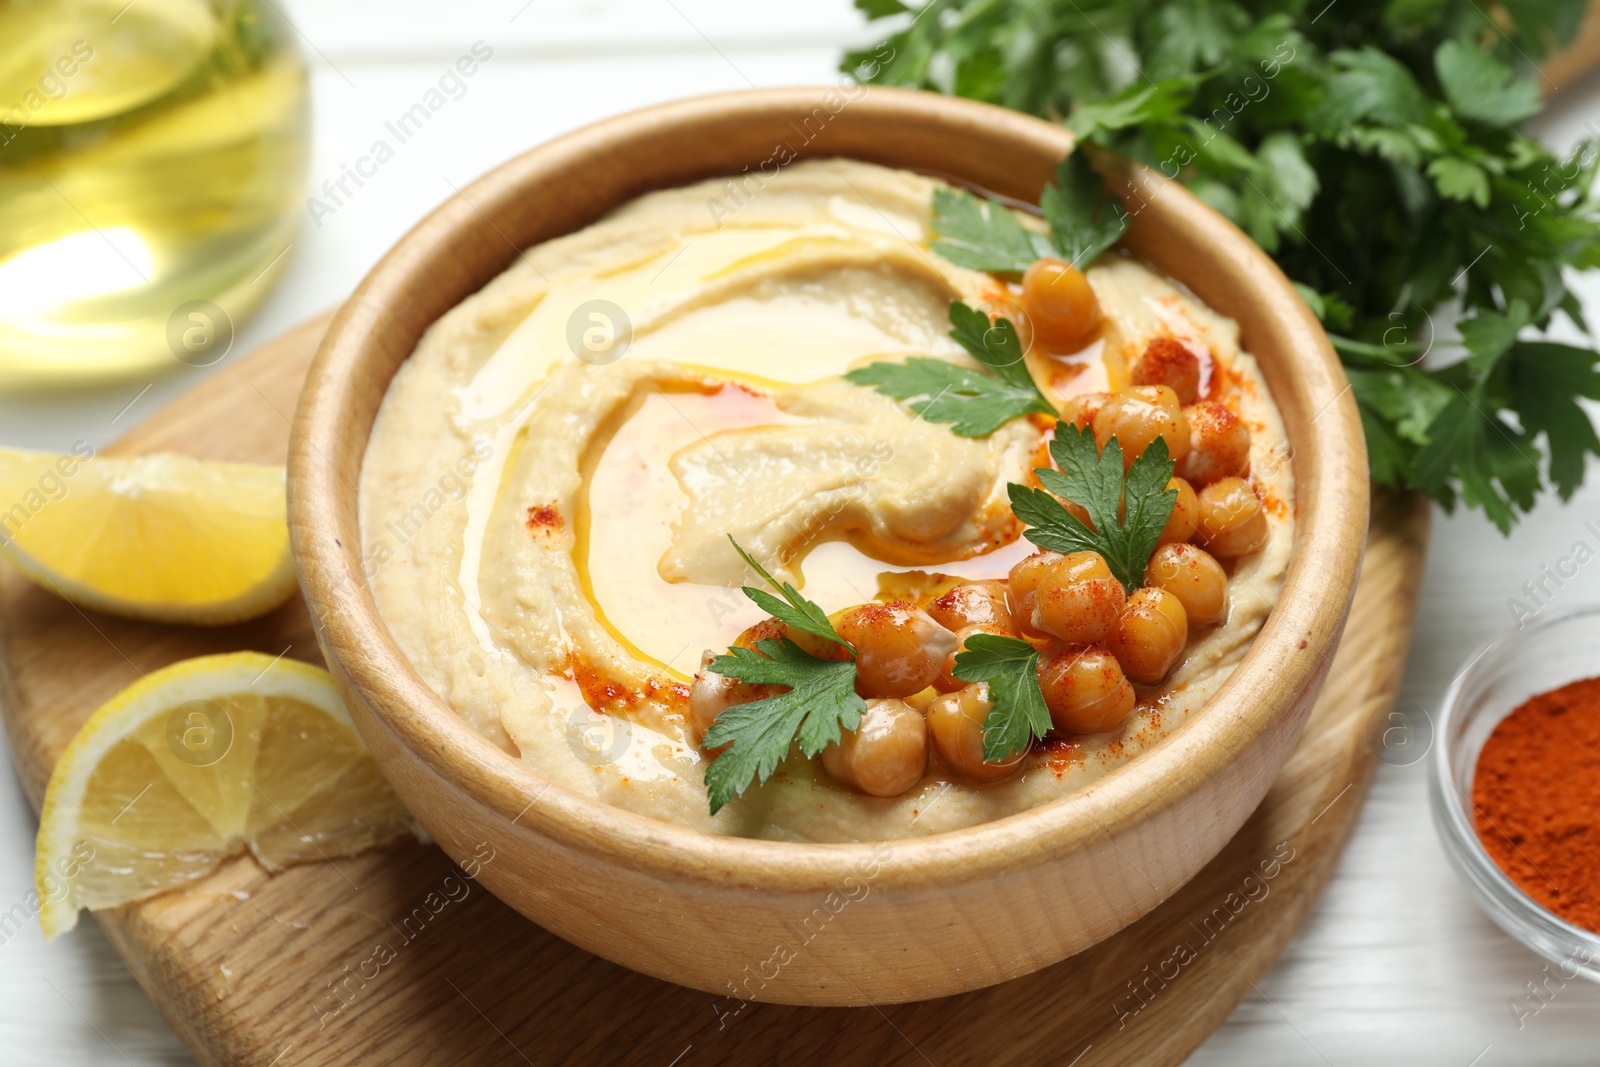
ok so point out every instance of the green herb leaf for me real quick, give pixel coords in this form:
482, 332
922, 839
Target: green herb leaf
995, 345
1403, 397
821, 700
1134, 106
1548, 379
1011, 667
972, 403
794, 609
1479, 87
1094, 481
1457, 179
1084, 219
1368, 85
983, 234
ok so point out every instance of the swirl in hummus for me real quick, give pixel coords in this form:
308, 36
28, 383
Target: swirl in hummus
547, 535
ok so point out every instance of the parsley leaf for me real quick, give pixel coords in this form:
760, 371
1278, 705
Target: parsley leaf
1084, 219
1457, 179
820, 701
1480, 88
794, 609
1368, 85
996, 345
1548, 379
973, 403
1469, 447
1011, 667
983, 234
1132, 107
1094, 480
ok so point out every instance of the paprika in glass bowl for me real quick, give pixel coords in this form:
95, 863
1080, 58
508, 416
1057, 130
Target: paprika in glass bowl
1515, 784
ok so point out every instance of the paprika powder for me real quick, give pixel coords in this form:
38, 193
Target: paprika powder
1536, 800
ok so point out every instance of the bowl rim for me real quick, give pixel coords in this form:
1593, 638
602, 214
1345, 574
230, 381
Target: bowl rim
1501, 898
1318, 584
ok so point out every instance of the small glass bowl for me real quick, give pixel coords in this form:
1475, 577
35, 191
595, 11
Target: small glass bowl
1552, 650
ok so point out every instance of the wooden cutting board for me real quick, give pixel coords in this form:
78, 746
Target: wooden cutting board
396, 957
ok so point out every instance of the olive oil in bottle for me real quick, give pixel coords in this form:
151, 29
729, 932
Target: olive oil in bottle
152, 157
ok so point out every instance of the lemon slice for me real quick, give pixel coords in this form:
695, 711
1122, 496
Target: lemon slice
162, 536
196, 763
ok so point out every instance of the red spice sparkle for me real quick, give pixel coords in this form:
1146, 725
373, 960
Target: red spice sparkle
543, 518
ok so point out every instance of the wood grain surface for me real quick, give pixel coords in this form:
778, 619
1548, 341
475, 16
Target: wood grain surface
399, 957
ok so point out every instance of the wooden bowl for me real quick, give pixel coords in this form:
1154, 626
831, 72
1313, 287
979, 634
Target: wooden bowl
844, 923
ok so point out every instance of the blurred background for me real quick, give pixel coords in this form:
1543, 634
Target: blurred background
169, 207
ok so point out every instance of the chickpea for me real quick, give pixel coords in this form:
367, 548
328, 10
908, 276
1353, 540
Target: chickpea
1085, 689
1185, 514
899, 648
1021, 586
712, 694
1059, 302
1080, 410
884, 756
770, 629
1137, 416
1149, 635
981, 603
947, 682
1077, 599
955, 724
1079, 512
1168, 361
1219, 444
1232, 521
1194, 577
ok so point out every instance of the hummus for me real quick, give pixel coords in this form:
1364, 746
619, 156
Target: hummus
554, 474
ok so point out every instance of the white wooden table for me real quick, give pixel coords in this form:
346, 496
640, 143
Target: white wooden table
1395, 965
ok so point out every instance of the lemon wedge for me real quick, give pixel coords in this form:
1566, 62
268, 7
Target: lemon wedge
196, 763
162, 536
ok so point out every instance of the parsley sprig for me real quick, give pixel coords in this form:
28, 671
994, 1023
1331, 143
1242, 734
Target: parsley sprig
983, 235
1377, 152
1094, 480
972, 402
1011, 667
1084, 218
818, 701
792, 609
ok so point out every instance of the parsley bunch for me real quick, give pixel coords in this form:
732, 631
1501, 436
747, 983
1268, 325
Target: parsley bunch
1375, 150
